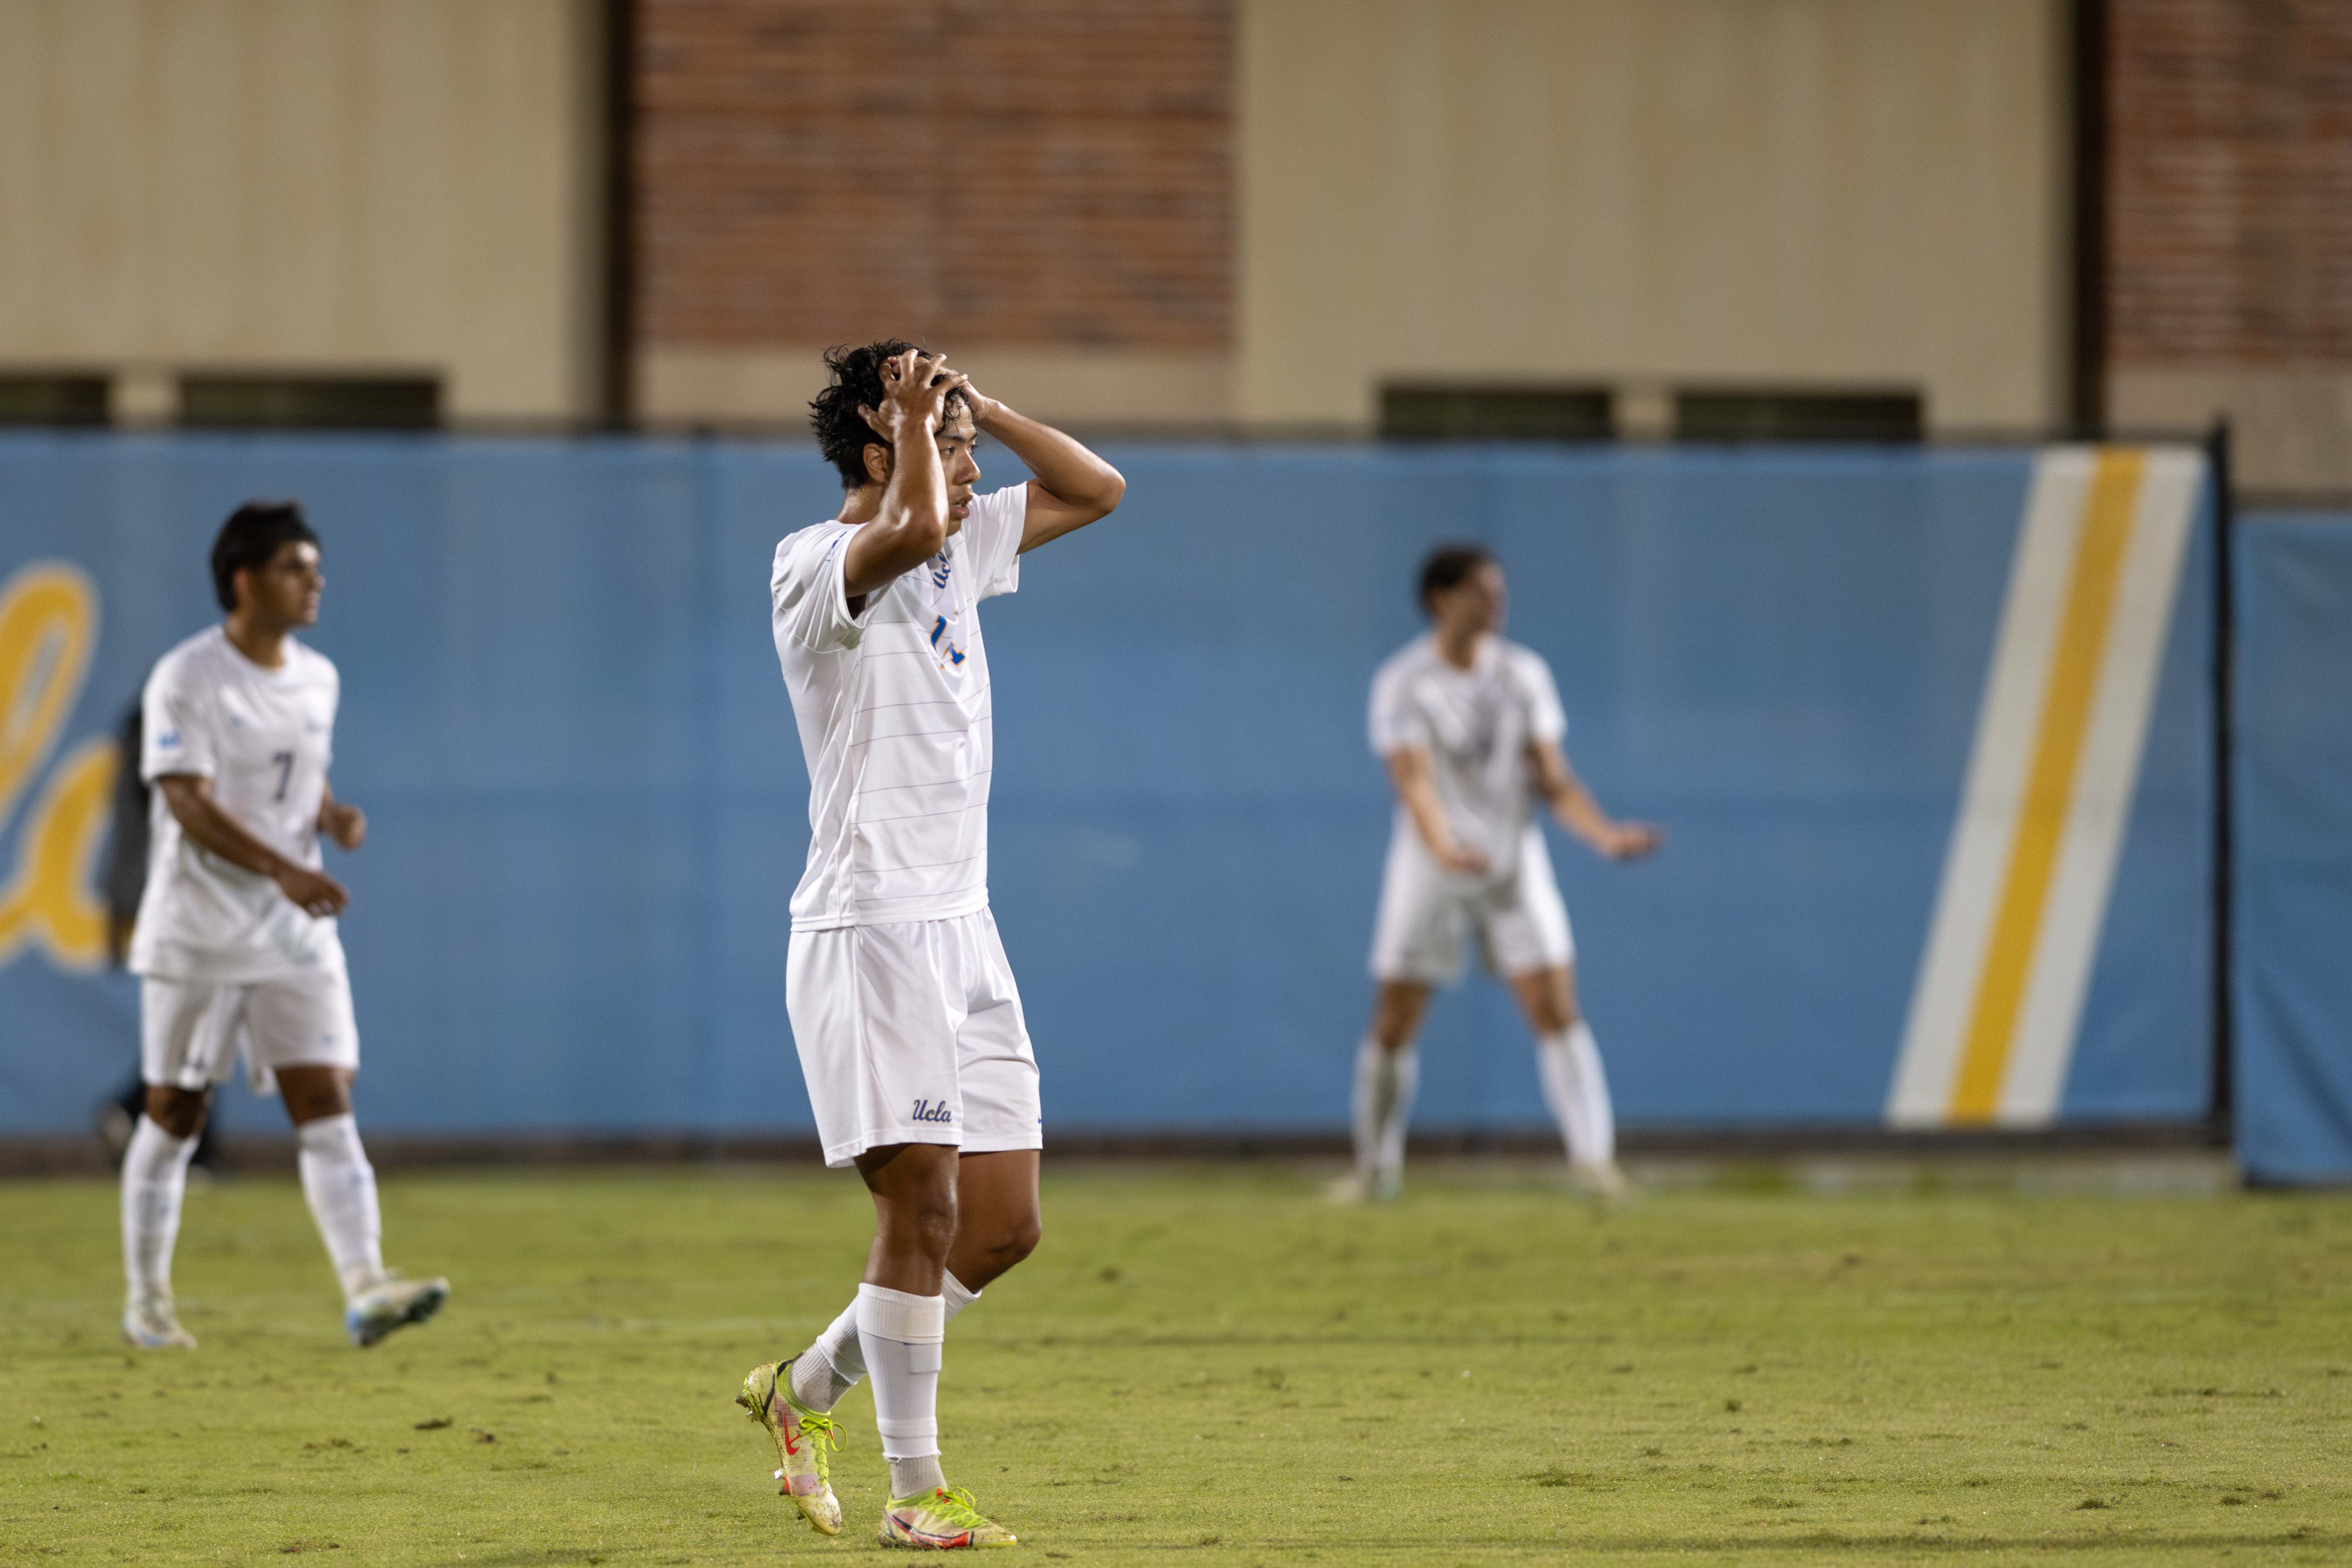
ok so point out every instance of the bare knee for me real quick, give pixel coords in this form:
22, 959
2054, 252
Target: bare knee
313, 1093
178, 1112
1013, 1242
1397, 1009
922, 1221
1548, 997
1552, 1017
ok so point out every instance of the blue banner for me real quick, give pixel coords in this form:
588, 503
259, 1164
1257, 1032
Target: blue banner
562, 713
2292, 762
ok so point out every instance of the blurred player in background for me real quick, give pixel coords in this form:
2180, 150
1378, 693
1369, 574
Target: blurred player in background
903, 1007
128, 836
236, 945
1470, 727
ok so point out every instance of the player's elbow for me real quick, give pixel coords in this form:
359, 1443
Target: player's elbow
920, 537
1109, 492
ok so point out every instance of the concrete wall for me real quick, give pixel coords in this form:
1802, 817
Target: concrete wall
1176, 212
304, 185
1654, 192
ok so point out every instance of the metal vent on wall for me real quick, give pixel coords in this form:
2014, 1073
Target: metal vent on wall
53, 399
1428, 412
1766, 415
309, 402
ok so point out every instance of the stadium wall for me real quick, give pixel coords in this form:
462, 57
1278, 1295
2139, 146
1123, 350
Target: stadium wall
562, 713
2293, 761
345, 189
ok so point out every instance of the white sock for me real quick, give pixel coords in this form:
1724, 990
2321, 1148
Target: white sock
836, 1362
155, 1181
1385, 1083
901, 1334
341, 1186
1576, 1091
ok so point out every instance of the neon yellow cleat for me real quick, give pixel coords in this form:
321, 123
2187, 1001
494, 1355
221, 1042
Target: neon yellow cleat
802, 1436
941, 1520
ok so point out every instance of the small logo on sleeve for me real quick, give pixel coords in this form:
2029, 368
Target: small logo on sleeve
167, 740
933, 1110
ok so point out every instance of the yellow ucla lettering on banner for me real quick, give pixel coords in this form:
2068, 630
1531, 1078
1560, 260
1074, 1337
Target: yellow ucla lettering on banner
48, 629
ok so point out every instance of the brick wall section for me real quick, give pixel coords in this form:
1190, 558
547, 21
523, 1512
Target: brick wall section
2229, 198
1039, 173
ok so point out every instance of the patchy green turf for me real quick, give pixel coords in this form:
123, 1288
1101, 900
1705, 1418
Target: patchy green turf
1214, 1366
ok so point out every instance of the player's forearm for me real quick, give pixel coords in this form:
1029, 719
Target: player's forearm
1573, 808
1429, 821
1418, 794
1067, 471
915, 502
201, 818
912, 524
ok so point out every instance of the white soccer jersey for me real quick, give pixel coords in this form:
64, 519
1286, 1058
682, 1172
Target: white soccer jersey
265, 738
1475, 725
893, 706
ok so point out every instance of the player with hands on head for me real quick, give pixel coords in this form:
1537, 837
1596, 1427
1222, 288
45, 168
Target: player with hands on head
903, 1007
1470, 728
236, 945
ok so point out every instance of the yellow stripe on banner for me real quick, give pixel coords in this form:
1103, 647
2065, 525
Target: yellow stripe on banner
2049, 784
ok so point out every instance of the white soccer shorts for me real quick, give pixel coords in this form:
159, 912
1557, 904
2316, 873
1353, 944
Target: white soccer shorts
912, 1033
191, 1031
1426, 914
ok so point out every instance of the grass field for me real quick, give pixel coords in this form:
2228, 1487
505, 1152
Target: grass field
1210, 1365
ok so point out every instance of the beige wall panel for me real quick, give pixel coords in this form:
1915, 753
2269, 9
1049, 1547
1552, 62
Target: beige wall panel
321, 185
2291, 425
1841, 191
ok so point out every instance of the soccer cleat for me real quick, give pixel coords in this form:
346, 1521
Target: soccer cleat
152, 1324
941, 1520
1602, 1179
801, 1434
394, 1304
1383, 1186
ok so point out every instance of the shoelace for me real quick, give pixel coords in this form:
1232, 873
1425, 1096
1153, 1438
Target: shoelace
955, 1505
828, 1430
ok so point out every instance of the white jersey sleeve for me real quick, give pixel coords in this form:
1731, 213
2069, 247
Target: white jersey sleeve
809, 594
176, 725
992, 534
1397, 721
1546, 719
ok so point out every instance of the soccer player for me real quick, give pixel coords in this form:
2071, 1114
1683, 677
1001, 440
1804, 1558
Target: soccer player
902, 1005
235, 945
1470, 727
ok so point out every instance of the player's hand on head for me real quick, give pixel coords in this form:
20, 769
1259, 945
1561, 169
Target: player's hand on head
914, 387
984, 408
313, 892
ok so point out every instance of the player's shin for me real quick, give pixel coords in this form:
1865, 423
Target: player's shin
1386, 1082
154, 1185
901, 1334
835, 1362
1577, 1092
340, 1186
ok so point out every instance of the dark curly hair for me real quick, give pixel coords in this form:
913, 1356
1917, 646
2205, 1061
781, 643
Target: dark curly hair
251, 539
842, 433
1447, 566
